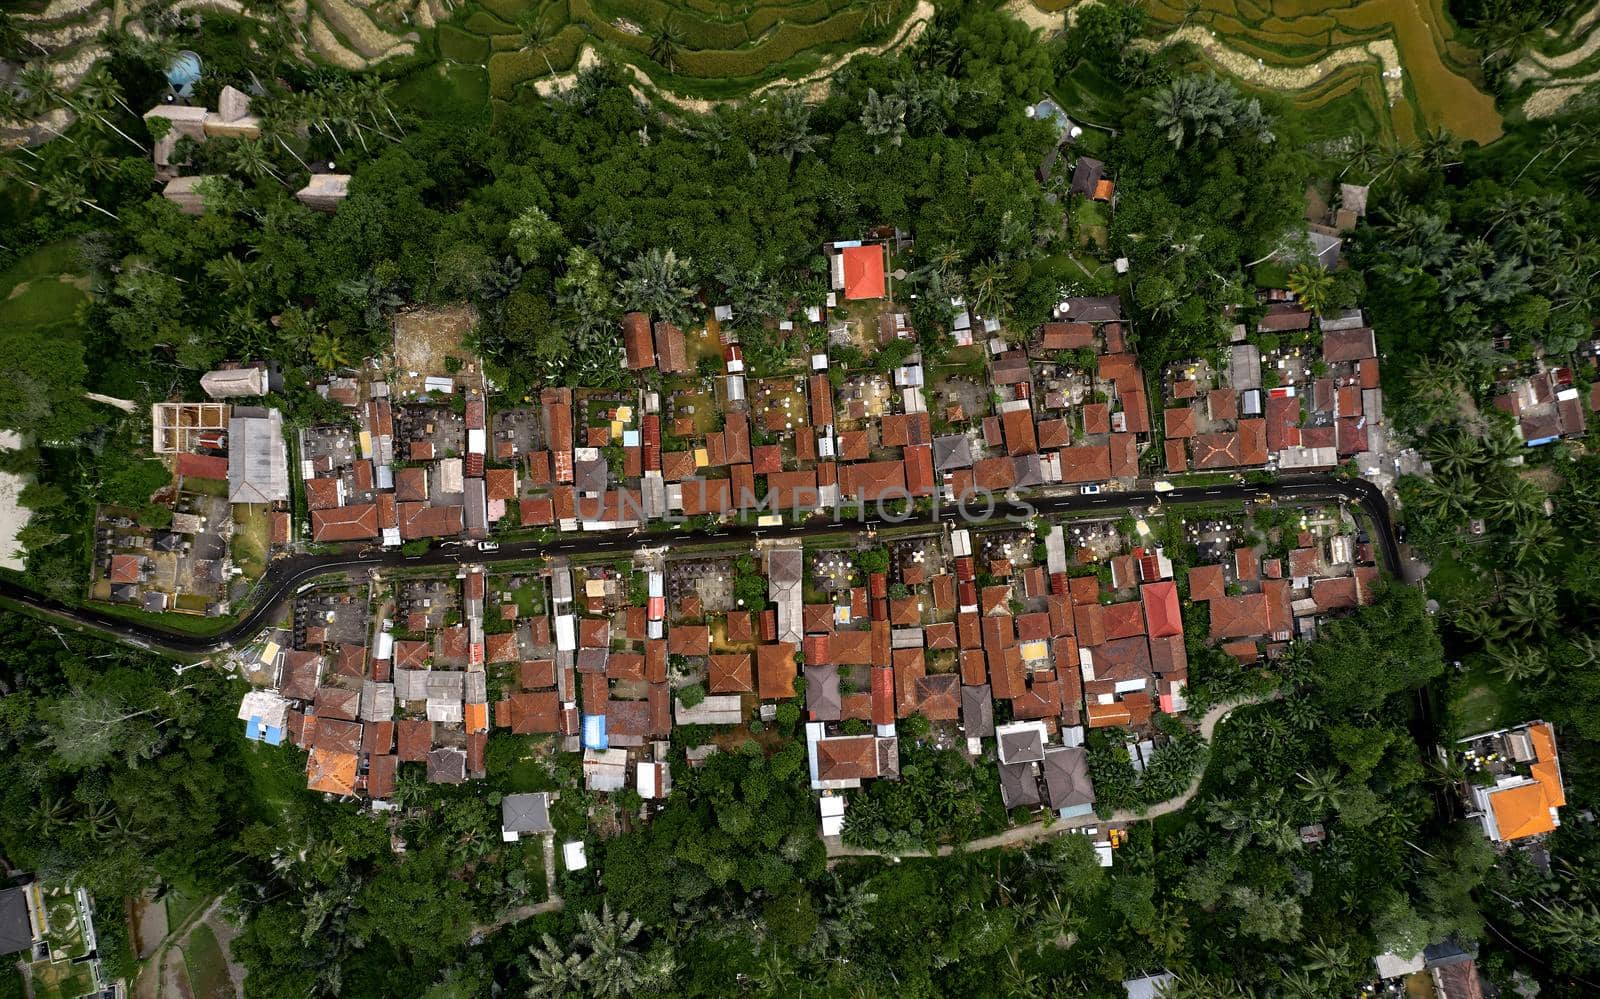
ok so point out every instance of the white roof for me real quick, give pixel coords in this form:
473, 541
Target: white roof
572, 854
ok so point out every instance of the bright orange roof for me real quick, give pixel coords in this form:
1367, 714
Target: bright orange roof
477, 717
863, 272
330, 771
1548, 770
1522, 811
1102, 190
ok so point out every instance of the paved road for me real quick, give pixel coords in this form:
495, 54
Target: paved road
1039, 829
286, 575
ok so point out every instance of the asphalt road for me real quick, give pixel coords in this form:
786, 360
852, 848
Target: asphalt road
285, 576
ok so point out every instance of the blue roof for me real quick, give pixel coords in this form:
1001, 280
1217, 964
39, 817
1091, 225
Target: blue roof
272, 736
594, 732
252, 728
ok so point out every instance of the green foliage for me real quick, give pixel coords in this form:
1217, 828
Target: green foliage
940, 797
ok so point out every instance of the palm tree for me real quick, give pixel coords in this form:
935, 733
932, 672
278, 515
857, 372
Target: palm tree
884, 118
1513, 498
613, 968
66, 194
988, 282
1452, 452
249, 158
1438, 147
667, 42
327, 351
552, 973
1519, 663
1313, 285
1329, 959
1528, 609
1056, 923
656, 284
1322, 790
794, 136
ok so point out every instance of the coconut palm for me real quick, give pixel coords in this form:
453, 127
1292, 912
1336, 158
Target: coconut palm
988, 282
1512, 498
1528, 609
1321, 790
794, 136
613, 968
249, 158
666, 43
884, 119
551, 972
327, 351
657, 284
1439, 148
1519, 663
1313, 285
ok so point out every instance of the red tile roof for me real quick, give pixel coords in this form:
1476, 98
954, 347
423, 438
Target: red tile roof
863, 272
346, 523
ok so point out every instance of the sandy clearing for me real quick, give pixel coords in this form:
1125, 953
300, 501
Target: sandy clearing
13, 515
1549, 100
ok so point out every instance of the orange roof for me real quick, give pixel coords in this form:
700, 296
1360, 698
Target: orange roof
1522, 811
1105, 715
477, 717
863, 272
330, 771
1103, 190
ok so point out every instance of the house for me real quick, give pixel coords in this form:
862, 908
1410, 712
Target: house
858, 270
1514, 787
525, 814
1547, 406
324, 191
1148, 986
17, 918
258, 459
234, 383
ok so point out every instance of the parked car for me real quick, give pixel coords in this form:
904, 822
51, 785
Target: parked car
488, 546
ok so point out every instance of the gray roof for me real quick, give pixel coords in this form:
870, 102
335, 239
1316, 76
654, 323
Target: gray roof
954, 451
377, 701
412, 684
258, 461
476, 687
16, 932
233, 383
446, 684
822, 693
977, 711
447, 766
1022, 746
1066, 777
785, 566
1019, 786
526, 813
590, 476
1101, 309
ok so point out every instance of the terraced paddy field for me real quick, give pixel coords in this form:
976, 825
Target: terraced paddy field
701, 48
1427, 75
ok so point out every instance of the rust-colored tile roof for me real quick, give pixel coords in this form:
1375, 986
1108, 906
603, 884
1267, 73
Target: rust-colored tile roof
731, 674
1090, 624
740, 627
1123, 620
689, 640
1179, 422
1096, 418
594, 633
1018, 425
1239, 617
1085, 463
851, 758
536, 673
1222, 404
414, 739
637, 342
873, 480
938, 696
1206, 582
1177, 456
775, 670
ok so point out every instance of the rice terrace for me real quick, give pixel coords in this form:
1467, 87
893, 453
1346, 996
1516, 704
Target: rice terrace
1395, 68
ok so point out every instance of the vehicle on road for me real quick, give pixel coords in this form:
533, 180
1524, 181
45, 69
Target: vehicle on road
1090, 490
488, 546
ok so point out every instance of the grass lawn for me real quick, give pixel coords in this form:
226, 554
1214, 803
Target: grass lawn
251, 538
61, 980
180, 906
208, 968
1481, 700
444, 91
278, 777
529, 598
43, 289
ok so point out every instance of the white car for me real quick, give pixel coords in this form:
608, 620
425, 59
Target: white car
1089, 490
488, 546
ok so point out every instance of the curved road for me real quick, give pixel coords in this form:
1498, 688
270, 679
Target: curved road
1041, 829
286, 575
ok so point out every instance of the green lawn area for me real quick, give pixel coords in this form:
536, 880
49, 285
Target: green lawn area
251, 539
446, 92
278, 776
205, 487
61, 980
529, 598
180, 906
208, 969
33, 294
1481, 700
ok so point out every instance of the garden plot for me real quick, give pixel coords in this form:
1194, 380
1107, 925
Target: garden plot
430, 342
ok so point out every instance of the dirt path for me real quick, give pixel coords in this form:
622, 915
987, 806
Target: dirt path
815, 83
1039, 829
1253, 70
